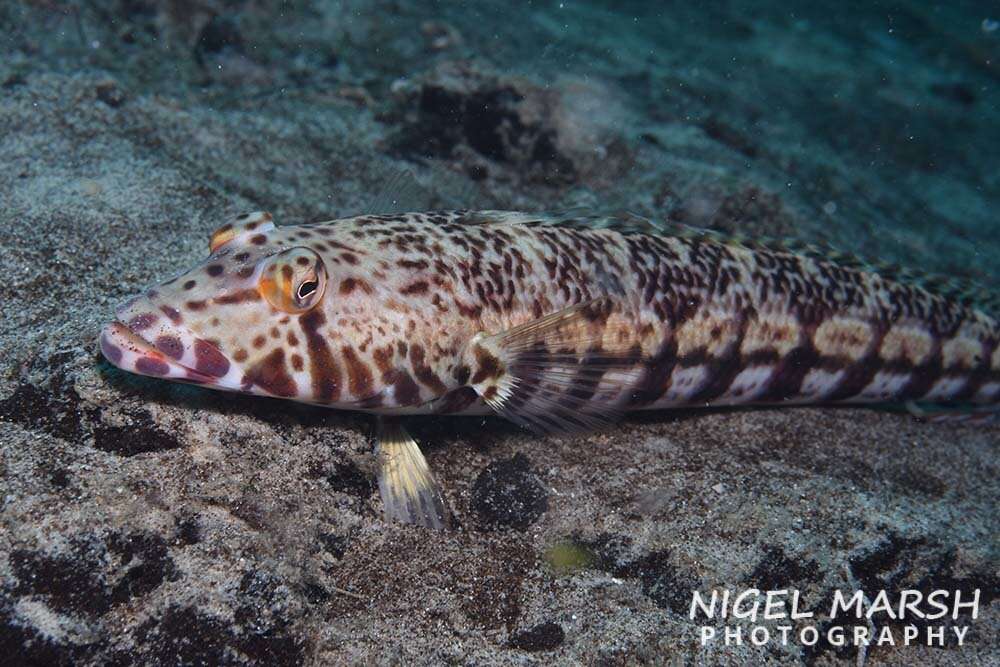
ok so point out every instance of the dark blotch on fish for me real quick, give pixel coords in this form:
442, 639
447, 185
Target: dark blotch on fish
112, 352
209, 360
143, 321
149, 366
489, 366
359, 377
323, 368
170, 346
270, 375
406, 390
171, 313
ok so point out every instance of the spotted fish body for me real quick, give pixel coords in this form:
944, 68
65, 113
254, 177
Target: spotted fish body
557, 324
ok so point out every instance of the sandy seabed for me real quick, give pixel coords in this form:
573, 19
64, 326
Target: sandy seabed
148, 523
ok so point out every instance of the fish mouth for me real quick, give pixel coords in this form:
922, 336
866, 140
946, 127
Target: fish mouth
172, 354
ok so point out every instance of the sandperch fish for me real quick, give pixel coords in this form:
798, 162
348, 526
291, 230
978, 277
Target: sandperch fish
557, 323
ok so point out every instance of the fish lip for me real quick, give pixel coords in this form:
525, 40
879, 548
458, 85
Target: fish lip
119, 335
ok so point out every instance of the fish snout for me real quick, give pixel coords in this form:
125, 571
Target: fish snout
150, 339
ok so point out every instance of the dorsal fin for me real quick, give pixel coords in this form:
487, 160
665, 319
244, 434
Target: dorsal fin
958, 290
256, 222
401, 192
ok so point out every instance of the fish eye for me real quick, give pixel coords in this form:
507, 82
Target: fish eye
306, 288
293, 280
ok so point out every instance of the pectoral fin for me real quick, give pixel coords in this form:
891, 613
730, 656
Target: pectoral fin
566, 372
408, 489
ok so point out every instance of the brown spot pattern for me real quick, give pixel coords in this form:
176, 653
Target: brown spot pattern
170, 346
488, 366
425, 374
150, 366
323, 368
271, 375
209, 360
698, 304
359, 377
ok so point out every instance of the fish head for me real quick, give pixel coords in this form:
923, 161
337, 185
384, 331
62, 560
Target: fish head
233, 322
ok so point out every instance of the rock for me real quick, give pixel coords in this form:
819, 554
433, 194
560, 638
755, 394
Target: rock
507, 494
556, 135
542, 637
109, 93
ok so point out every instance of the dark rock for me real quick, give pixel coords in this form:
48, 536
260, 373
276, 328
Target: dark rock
261, 613
725, 134
59, 477
186, 635
183, 635
335, 545
13, 81
219, 34
542, 637
51, 408
478, 172
70, 583
348, 478
148, 565
508, 494
32, 648
506, 120
662, 581
273, 649
315, 593
55, 408
776, 571
78, 582
899, 563
959, 93
651, 139
482, 119
884, 564
188, 530
491, 597
142, 435
667, 584
109, 93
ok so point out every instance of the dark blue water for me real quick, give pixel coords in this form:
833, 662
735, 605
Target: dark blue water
872, 124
